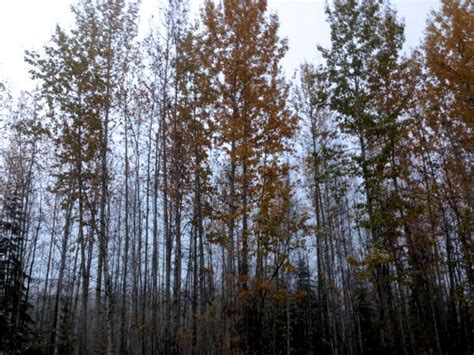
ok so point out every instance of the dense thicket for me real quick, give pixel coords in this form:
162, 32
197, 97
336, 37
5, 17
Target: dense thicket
177, 194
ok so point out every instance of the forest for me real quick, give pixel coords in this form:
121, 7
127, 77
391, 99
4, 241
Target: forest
177, 193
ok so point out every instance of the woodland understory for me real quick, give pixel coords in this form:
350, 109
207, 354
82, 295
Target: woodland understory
176, 192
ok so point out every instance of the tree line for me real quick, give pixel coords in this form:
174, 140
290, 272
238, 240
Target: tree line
178, 194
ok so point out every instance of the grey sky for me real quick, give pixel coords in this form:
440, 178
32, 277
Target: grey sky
28, 24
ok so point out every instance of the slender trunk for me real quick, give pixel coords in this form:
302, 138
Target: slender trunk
229, 275
48, 265
147, 214
62, 266
155, 255
123, 314
177, 265
166, 221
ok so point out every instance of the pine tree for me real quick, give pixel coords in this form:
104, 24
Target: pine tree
20, 167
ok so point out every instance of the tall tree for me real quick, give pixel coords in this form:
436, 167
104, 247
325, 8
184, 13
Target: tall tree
254, 125
81, 72
366, 38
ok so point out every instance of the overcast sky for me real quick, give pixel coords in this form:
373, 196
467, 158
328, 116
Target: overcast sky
28, 24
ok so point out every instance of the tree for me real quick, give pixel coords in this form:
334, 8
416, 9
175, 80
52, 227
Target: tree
440, 172
176, 196
81, 72
449, 60
18, 240
363, 59
254, 125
